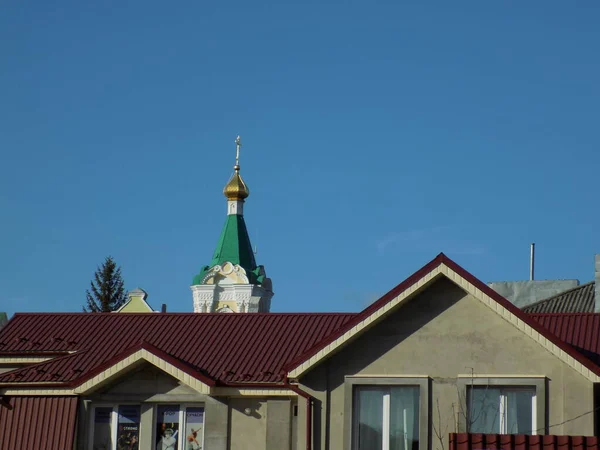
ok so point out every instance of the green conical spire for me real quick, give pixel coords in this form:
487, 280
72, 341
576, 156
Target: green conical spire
233, 246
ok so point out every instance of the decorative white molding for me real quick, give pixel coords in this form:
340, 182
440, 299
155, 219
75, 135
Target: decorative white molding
228, 283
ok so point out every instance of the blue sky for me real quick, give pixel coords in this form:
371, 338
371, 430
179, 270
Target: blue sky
376, 135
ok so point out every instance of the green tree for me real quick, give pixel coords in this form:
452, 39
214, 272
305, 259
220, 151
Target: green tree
107, 292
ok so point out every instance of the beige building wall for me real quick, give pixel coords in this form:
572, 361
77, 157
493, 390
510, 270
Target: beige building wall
248, 431
8, 368
441, 333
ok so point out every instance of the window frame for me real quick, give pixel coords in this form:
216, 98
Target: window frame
422, 382
539, 412
114, 421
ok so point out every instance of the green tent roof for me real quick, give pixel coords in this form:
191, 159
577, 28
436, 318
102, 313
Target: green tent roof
234, 247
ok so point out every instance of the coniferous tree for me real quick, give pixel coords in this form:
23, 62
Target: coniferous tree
107, 292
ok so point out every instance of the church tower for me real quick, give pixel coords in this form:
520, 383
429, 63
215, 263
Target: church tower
233, 282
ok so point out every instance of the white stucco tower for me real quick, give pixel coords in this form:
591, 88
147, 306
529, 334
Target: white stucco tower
233, 282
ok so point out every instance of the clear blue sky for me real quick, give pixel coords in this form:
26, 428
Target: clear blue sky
376, 135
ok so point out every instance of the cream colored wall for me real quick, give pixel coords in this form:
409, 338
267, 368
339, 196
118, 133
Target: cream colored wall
8, 368
441, 333
147, 381
248, 431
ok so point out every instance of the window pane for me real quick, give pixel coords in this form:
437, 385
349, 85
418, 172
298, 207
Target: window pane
368, 422
404, 418
519, 414
128, 428
102, 428
484, 410
194, 428
167, 427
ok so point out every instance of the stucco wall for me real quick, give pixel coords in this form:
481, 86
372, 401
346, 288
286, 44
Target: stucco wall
248, 431
146, 380
441, 333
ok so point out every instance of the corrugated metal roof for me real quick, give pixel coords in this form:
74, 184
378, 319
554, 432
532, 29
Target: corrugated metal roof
224, 347
577, 300
466, 441
44, 423
581, 331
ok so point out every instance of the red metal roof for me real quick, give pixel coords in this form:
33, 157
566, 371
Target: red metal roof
232, 348
580, 330
414, 278
38, 423
229, 348
466, 441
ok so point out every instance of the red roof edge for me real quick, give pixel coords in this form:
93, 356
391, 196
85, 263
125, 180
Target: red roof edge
412, 279
525, 317
143, 345
408, 282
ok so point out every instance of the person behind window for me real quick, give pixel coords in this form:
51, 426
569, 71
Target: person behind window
192, 441
168, 441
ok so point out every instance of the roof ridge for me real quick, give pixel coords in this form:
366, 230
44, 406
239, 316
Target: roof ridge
473, 281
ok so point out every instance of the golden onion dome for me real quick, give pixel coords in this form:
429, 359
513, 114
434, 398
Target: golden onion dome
236, 189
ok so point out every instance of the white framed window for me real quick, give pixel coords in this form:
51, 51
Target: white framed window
385, 417
502, 409
179, 427
115, 427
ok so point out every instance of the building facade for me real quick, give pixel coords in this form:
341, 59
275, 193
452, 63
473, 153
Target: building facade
441, 353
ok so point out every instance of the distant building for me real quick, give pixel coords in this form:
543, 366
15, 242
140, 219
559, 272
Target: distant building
136, 303
553, 296
525, 293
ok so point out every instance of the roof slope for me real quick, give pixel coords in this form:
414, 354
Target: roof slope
581, 331
225, 347
577, 300
38, 423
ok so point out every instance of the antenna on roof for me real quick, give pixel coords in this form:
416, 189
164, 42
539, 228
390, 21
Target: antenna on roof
532, 261
255, 250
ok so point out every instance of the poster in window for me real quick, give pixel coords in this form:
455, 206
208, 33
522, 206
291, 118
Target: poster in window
194, 428
167, 427
128, 428
102, 428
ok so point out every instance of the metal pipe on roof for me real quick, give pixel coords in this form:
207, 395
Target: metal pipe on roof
532, 261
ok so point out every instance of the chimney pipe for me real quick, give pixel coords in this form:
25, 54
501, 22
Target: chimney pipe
163, 308
532, 261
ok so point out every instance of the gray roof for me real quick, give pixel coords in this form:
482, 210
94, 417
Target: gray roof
577, 300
